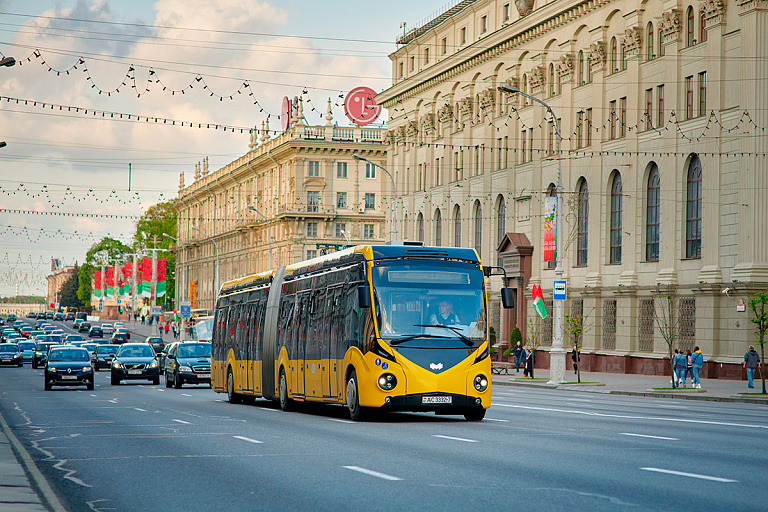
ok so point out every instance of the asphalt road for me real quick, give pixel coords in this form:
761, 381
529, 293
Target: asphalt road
142, 447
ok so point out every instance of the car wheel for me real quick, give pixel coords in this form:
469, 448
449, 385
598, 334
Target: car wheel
233, 397
156, 381
48, 386
89, 386
285, 402
177, 382
34, 365
167, 380
114, 381
356, 412
474, 415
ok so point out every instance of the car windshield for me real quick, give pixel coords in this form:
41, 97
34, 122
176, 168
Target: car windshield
54, 339
195, 350
106, 349
68, 354
430, 304
28, 345
74, 337
136, 351
6, 348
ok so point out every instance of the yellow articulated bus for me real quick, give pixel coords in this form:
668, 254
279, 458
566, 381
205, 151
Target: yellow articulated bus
391, 327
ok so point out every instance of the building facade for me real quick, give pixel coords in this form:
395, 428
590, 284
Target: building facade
56, 279
663, 111
310, 193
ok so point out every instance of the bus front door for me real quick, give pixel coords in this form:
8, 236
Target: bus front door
297, 376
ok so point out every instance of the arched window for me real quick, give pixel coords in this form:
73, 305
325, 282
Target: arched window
420, 224
457, 227
582, 222
616, 220
649, 42
702, 28
693, 211
652, 218
623, 58
438, 228
689, 27
501, 221
660, 52
552, 90
478, 228
613, 65
580, 78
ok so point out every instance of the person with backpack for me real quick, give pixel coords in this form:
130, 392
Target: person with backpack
680, 362
697, 361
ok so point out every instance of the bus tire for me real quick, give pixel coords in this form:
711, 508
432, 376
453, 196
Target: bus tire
285, 401
231, 395
474, 415
356, 412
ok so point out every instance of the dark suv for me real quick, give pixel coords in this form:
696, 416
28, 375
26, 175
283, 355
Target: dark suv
84, 326
188, 362
95, 332
102, 356
135, 361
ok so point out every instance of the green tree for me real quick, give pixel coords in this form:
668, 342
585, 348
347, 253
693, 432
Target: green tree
576, 327
758, 303
160, 219
106, 248
69, 296
669, 325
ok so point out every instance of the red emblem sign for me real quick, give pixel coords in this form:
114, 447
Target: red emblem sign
285, 113
360, 106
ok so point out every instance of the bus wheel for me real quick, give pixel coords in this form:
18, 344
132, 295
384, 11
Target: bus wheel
231, 395
353, 398
285, 402
474, 415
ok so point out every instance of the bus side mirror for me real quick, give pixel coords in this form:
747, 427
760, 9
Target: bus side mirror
487, 271
508, 297
364, 297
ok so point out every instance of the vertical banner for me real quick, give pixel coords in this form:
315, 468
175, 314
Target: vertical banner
97, 284
192, 293
550, 229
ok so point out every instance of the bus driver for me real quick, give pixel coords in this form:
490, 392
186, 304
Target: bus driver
446, 316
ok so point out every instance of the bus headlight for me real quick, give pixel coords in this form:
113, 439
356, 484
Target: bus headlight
387, 381
481, 383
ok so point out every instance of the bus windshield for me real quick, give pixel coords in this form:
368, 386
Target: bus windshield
430, 303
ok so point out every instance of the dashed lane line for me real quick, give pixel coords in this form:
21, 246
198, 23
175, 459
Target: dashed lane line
370, 472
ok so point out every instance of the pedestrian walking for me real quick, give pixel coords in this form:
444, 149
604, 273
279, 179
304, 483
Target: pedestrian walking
517, 350
688, 365
529, 360
751, 363
575, 356
697, 360
679, 362
166, 328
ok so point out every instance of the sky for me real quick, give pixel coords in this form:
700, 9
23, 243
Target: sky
79, 165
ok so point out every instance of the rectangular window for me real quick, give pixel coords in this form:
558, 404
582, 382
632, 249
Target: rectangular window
580, 130
483, 24
689, 97
370, 171
444, 46
505, 12
313, 168
311, 229
463, 35
646, 325
311, 253
623, 116
370, 200
660, 106
702, 93
400, 70
341, 169
437, 171
588, 127
313, 201
413, 63
367, 230
648, 109
530, 144
612, 120
341, 199
609, 324
523, 146
426, 56
341, 230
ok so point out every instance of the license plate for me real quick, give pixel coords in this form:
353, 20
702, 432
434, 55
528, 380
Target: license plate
436, 400
69, 377
6, 359
134, 372
204, 375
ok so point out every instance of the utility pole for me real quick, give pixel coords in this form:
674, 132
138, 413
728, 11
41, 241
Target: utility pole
153, 291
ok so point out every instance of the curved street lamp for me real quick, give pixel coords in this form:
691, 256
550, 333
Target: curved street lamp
557, 365
393, 231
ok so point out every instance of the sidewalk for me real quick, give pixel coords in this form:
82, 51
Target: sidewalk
718, 390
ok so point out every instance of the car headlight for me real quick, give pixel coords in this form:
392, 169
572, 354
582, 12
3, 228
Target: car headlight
153, 364
481, 383
184, 368
116, 364
387, 381
87, 369
52, 369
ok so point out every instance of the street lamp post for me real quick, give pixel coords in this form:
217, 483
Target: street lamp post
216, 286
269, 232
179, 297
393, 231
557, 353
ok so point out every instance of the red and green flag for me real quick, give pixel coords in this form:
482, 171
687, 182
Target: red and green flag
538, 302
161, 277
97, 284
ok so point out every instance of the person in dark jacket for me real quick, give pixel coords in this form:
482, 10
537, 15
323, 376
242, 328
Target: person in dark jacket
751, 362
529, 360
518, 351
680, 361
575, 356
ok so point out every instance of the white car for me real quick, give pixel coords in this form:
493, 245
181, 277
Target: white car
107, 328
119, 325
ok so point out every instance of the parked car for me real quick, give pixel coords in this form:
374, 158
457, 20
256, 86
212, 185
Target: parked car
102, 356
135, 361
68, 366
27, 350
95, 332
10, 354
69, 316
188, 362
157, 343
41, 353
107, 328
84, 327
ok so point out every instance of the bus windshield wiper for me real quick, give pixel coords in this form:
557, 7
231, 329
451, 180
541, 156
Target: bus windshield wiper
403, 339
468, 342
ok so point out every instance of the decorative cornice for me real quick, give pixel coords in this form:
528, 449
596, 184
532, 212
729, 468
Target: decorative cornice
465, 106
714, 12
749, 5
445, 114
537, 79
428, 122
671, 26
565, 67
632, 41
524, 7
411, 129
488, 100
597, 56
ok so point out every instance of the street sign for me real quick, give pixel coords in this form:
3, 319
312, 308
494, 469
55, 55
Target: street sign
741, 306
185, 309
101, 306
118, 301
559, 290
157, 310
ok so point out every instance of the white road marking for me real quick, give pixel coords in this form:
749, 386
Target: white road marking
93, 395
182, 421
184, 394
455, 438
649, 437
690, 475
372, 473
254, 441
633, 417
578, 400
113, 401
341, 421
494, 419
139, 409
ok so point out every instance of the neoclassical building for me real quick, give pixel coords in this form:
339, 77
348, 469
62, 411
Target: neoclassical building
663, 111
304, 181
